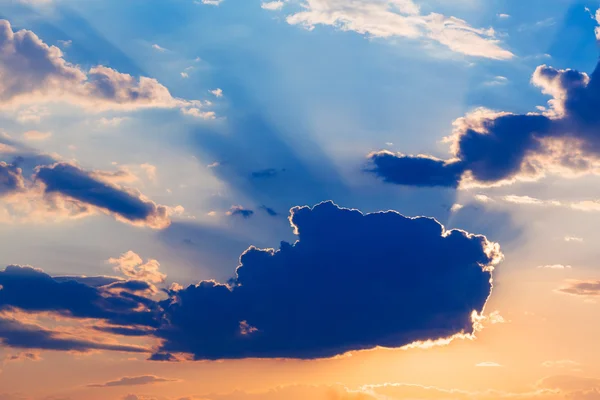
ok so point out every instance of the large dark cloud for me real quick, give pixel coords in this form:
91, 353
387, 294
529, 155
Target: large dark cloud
491, 148
352, 281
70, 180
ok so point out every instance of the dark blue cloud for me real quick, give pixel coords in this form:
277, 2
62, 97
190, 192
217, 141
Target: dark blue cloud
269, 211
240, 211
495, 147
350, 282
32, 290
11, 179
415, 171
265, 173
70, 180
164, 357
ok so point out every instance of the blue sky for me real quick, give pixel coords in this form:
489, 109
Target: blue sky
246, 111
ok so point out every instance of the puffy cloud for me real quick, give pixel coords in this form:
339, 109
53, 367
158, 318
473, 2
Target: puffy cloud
398, 18
132, 266
32, 72
134, 381
491, 148
272, 5
350, 282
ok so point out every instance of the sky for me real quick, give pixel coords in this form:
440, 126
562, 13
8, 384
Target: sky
299, 199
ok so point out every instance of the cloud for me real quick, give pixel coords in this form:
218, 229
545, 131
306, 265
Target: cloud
488, 364
23, 356
34, 73
269, 211
132, 266
573, 239
217, 92
126, 205
589, 288
134, 381
14, 333
583, 205
36, 135
354, 281
158, 48
11, 179
560, 364
32, 290
241, 211
265, 173
209, 2
272, 5
493, 148
555, 266
400, 18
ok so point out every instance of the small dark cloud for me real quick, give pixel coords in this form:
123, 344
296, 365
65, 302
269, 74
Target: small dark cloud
266, 173
240, 211
165, 357
269, 211
134, 381
415, 171
353, 281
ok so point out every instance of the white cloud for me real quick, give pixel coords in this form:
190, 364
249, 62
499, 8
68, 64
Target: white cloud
184, 75
555, 266
217, 92
400, 18
33, 72
573, 239
132, 266
158, 48
488, 364
209, 2
503, 16
456, 207
272, 5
